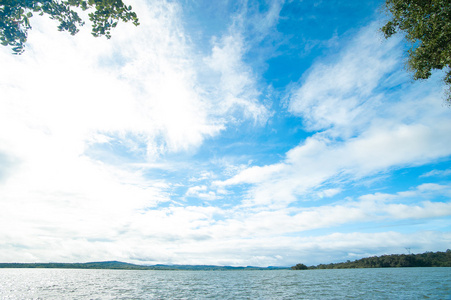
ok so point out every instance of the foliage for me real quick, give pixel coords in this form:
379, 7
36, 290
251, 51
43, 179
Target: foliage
427, 25
15, 17
299, 267
427, 259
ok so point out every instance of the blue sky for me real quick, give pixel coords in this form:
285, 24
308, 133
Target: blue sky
222, 132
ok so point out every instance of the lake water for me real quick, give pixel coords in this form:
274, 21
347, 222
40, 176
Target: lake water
402, 283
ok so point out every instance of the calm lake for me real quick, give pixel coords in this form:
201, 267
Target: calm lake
401, 283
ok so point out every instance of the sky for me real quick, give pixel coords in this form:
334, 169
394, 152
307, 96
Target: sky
242, 133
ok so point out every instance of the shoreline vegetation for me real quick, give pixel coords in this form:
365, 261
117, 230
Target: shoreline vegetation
427, 259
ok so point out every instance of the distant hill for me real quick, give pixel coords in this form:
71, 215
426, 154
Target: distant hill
117, 265
427, 259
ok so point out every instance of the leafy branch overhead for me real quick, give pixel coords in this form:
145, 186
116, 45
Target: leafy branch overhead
15, 17
427, 26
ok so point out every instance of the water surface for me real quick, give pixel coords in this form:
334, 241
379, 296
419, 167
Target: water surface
400, 283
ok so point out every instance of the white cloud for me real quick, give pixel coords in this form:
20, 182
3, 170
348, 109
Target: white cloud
310, 250
67, 94
253, 175
344, 246
244, 223
366, 130
212, 235
423, 191
437, 173
426, 210
337, 94
201, 192
237, 87
329, 193
204, 175
84, 119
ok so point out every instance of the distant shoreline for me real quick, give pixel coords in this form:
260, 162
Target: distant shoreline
117, 265
427, 259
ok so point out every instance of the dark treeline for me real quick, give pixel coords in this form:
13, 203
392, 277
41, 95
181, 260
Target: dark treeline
427, 259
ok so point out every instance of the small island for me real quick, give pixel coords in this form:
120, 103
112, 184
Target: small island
427, 259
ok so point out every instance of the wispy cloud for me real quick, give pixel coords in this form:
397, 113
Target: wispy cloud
341, 93
238, 88
365, 130
440, 173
